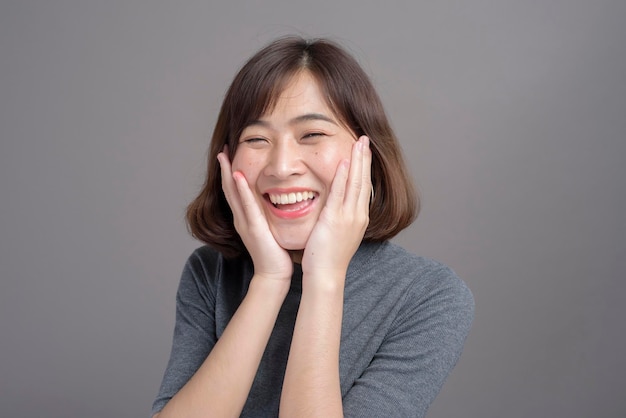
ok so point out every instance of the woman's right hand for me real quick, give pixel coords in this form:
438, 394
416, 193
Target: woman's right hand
270, 259
221, 385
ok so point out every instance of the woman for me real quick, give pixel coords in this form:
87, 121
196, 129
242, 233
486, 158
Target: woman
299, 305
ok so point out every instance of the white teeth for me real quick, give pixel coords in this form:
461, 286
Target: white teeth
285, 198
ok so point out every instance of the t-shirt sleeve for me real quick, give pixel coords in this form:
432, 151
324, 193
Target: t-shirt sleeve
194, 331
416, 356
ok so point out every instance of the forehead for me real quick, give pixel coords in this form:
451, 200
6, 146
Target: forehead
301, 93
302, 98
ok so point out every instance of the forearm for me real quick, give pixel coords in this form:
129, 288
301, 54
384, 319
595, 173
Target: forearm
221, 385
311, 387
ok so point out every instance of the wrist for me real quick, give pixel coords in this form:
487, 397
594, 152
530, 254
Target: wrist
270, 287
327, 282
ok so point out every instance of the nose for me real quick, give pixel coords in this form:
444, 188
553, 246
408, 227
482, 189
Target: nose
285, 160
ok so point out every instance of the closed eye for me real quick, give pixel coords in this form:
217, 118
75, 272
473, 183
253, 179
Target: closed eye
313, 135
254, 140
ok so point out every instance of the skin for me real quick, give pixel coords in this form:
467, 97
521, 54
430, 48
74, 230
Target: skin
300, 145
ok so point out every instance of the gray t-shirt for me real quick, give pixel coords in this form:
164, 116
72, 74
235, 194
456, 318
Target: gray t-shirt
405, 320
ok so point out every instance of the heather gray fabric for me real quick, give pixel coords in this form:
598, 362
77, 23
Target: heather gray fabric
404, 324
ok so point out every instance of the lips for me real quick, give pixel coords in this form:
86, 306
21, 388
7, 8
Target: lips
290, 198
291, 204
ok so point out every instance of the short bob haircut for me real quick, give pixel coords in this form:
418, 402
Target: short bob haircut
350, 95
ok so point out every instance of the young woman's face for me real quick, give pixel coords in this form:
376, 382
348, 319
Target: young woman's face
289, 158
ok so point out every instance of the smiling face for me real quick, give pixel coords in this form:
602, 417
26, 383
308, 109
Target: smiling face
289, 158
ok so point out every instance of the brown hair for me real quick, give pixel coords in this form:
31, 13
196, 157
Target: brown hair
352, 97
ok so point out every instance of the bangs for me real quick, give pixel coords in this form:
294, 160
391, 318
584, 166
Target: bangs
256, 90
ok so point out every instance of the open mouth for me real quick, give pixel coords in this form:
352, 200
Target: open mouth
293, 201
290, 198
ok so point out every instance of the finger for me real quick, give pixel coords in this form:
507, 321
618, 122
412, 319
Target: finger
355, 179
229, 187
366, 175
248, 202
338, 186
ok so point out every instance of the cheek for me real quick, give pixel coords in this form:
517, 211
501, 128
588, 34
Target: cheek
330, 157
248, 166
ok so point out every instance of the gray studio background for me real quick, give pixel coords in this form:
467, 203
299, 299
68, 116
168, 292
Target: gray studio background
512, 115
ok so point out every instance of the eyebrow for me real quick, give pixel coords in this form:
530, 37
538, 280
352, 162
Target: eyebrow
298, 119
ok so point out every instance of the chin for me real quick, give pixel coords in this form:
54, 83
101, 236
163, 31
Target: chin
293, 237
291, 241
291, 245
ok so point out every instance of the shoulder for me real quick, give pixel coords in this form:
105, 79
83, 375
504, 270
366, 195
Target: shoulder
412, 314
207, 268
204, 259
435, 290
423, 271
207, 261
425, 283
203, 264
432, 275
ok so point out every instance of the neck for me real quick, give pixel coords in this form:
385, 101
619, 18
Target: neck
296, 256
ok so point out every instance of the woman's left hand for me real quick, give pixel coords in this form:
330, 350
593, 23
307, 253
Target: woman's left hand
329, 249
344, 219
